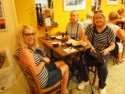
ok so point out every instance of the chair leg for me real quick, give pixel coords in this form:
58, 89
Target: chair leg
114, 60
94, 71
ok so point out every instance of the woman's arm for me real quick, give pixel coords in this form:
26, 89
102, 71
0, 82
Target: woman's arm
27, 58
46, 59
120, 34
89, 45
82, 34
110, 48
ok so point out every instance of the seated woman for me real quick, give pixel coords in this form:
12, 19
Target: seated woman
119, 33
88, 21
47, 73
121, 20
101, 37
75, 27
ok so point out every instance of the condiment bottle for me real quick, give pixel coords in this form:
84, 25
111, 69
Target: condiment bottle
63, 40
46, 34
66, 37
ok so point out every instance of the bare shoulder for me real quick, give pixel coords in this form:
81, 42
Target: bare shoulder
25, 53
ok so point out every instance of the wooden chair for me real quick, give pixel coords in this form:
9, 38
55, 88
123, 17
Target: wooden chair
33, 81
74, 67
94, 71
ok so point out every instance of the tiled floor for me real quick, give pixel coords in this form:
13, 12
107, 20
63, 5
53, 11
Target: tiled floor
115, 81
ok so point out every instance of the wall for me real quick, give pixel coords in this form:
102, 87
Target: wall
25, 14
28, 14
62, 17
7, 39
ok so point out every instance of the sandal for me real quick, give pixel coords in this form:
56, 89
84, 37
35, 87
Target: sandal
119, 62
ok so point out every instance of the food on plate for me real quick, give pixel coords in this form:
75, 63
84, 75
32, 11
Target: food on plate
79, 43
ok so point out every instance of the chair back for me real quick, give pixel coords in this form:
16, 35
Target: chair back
33, 82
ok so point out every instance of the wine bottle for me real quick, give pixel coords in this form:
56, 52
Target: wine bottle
66, 37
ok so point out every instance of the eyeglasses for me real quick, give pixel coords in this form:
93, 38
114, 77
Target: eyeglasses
29, 34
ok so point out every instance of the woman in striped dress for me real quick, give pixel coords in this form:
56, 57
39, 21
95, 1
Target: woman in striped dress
47, 73
99, 36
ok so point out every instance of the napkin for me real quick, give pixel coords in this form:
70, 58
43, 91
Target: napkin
70, 50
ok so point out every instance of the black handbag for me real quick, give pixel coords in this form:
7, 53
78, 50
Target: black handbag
94, 59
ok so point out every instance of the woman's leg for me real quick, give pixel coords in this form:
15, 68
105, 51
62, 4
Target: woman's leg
65, 76
120, 45
102, 73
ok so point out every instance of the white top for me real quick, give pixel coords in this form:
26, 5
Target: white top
114, 27
123, 19
87, 22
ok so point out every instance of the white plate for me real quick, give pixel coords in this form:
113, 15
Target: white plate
56, 43
59, 37
70, 41
79, 43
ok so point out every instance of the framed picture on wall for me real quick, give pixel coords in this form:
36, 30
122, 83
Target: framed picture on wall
70, 5
2, 19
112, 2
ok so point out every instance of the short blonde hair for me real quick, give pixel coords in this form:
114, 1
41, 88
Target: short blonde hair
89, 14
113, 15
20, 40
99, 12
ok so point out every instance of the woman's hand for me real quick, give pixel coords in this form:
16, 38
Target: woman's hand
46, 59
92, 49
104, 52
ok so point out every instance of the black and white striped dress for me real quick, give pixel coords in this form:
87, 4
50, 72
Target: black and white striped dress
100, 40
43, 75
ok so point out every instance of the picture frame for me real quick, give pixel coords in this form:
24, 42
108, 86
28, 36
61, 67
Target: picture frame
112, 2
70, 5
7, 72
2, 18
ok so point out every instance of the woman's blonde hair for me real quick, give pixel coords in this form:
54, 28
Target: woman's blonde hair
99, 12
20, 40
74, 12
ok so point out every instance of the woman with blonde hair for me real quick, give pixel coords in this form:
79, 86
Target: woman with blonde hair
47, 73
119, 33
99, 37
75, 27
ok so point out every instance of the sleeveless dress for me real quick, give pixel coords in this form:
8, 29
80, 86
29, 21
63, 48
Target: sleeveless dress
43, 75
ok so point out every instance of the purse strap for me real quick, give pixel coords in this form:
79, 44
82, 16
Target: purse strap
77, 31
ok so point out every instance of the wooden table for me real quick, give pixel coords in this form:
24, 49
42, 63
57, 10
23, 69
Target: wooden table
64, 55
59, 50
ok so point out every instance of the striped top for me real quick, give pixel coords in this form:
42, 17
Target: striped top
43, 75
100, 40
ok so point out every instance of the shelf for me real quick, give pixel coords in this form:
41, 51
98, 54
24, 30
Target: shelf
47, 27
